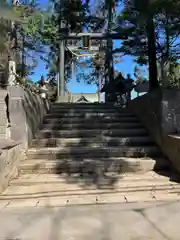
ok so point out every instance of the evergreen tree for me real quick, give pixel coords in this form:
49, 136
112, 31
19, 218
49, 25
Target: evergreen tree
145, 25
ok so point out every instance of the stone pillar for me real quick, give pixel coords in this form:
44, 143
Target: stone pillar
17, 114
62, 97
26, 111
12, 73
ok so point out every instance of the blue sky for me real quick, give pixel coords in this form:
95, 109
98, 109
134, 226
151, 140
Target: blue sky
126, 66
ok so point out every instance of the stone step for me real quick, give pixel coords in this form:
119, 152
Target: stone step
146, 198
141, 182
104, 126
97, 152
89, 114
92, 167
97, 119
82, 192
86, 106
81, 133
134, 179
89, 110
92, 142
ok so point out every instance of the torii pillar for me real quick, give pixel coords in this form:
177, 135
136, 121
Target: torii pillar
61, 95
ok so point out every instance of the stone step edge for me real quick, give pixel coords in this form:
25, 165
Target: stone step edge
102, 160
128, 178
95, 123
39, 166
39, 143
92, 189
95, 113
109, 159
63, 118
151, 190
96, 130
91, 113
92, 108
126, 201
154, 182
97, 139
78, 127
101, 148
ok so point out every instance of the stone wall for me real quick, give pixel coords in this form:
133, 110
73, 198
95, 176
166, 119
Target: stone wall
26, 112
10, 157
160, 113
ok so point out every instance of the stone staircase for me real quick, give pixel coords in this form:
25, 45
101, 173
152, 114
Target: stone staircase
86, 154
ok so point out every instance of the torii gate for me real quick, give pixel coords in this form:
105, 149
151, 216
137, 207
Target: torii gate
92, 36
64, 35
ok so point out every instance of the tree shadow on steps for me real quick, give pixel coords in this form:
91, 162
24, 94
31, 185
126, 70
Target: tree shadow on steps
98, 173
88, 169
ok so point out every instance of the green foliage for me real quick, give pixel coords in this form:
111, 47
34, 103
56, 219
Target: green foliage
152, 30
89, 76
75, 15
172, 74
27, 33
79, 16
7, 13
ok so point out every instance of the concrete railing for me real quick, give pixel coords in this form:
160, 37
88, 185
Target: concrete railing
26, 111
159, 111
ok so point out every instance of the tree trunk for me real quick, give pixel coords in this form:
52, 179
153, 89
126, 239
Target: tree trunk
167, 54
163, 72
153, 75
99, 86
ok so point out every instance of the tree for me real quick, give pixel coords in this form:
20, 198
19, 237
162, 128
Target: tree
22, 34
29, 36
168, 46
136, 21
78, 17
7, 16
145, 24
75, 14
